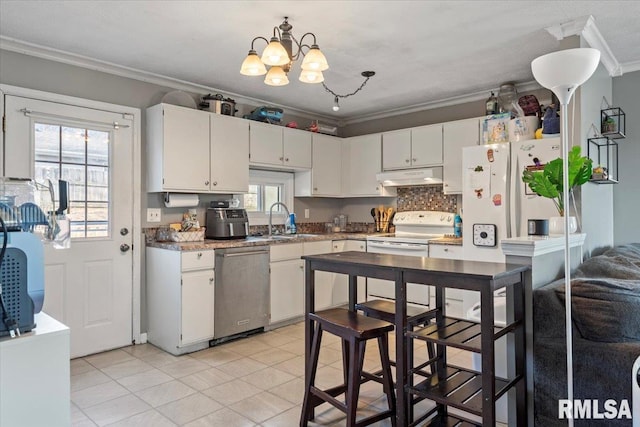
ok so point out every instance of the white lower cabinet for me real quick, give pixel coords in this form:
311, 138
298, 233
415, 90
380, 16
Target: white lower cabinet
340, 291
288, 280
197, 303
287, 290
180, 299
457, 301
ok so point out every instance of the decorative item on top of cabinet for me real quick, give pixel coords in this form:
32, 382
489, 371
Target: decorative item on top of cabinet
412, 148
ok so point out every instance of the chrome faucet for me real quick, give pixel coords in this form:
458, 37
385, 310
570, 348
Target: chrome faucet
271, 215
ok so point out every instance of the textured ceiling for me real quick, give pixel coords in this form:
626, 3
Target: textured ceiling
422, 51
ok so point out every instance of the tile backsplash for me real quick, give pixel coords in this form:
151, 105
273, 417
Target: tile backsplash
426, 198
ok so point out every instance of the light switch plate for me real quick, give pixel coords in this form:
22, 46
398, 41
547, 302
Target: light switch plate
485, 234
154, 214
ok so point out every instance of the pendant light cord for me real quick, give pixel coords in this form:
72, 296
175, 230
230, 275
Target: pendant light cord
366, 74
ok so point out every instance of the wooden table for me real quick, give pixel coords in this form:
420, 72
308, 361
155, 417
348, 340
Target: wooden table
482, 277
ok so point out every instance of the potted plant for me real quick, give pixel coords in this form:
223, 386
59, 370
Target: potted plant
548, 183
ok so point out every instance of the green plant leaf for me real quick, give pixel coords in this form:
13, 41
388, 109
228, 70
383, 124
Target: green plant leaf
540, 184
553, 172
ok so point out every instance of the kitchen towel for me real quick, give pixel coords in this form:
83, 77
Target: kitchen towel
173, 200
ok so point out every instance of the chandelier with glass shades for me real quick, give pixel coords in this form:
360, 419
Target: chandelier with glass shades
279, 55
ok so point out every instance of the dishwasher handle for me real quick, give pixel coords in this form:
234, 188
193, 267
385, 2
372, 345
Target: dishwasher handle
231, 255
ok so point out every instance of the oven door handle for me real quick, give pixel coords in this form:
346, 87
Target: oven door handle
400, 246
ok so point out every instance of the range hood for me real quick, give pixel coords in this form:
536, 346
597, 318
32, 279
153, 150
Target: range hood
408, 177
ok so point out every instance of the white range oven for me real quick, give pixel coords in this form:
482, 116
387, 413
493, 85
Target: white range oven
414, 229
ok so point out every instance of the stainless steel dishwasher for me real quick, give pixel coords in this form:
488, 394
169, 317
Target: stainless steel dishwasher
241, 290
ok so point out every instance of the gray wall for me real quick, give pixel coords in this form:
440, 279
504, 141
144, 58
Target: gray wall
626, 194
596, 200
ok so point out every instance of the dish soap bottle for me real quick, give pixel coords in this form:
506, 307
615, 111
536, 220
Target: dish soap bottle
290, 224
457, 225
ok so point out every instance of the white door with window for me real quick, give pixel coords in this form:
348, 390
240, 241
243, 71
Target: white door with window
89, 286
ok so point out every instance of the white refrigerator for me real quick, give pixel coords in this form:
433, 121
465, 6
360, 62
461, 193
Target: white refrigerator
496, 204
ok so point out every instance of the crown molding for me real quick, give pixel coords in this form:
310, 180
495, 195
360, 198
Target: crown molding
32, 49
629, 67
587, 29
446, 102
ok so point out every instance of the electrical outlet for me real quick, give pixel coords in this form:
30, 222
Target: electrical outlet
154, 214
306, 213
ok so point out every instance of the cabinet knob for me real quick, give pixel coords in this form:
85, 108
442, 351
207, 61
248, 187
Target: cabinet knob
281, 158
215, 183
376, 188
286, 159
446, 249
361, 247
211, 280
406, 160
206, 183
315, 188
302, 267
414, 159
199, 255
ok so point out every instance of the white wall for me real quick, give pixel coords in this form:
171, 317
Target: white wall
626, 194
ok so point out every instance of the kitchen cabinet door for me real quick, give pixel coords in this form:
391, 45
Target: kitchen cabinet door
197, 306
456, 135
287, 290
323, 279
181, 137
340, 294
229, 154
296, 148
326, 170
361, 162
396, 149
265, 144
426, 146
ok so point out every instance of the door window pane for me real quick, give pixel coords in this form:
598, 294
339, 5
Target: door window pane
81, 157
73, 145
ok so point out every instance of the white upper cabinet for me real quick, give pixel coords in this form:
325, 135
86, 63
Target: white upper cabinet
296, 148
426, 146
178, 149
361, 161
324, 179
229, 154
196, 151
277, 146
396, 149
456, 135
412, 148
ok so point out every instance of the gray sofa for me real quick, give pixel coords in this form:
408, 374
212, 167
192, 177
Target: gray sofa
606, 335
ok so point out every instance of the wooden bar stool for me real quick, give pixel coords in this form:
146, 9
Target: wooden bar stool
386, 310
354, 329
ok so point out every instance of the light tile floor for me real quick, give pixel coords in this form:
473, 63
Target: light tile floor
254, 381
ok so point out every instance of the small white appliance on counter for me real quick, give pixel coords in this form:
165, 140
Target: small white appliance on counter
495, 201
414, 229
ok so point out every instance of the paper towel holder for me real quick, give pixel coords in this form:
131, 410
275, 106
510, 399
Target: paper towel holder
179, 200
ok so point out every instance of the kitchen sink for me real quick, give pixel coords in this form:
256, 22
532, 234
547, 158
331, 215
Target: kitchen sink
290, 236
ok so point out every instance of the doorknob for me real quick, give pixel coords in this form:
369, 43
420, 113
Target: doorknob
124, 247
124, 231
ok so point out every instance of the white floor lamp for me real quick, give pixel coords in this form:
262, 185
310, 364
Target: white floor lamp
562, 72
